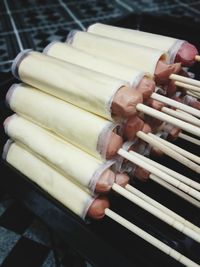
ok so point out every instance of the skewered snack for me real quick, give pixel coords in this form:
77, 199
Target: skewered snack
178, 50
62, 189
93, 91
91, 133
147, 59
140, 81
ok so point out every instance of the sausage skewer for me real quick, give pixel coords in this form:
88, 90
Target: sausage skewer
147, 59
65, 120
83, 204
66, 71
177, 50
171, 221
137, 79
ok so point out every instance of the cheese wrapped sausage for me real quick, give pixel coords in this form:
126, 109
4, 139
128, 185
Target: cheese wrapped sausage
90, 173
83, 129
87, 89
178, 50
149, 60
58, 186
137, 79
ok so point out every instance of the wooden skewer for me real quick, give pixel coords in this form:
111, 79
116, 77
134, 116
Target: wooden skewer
185, 188
164, 117
150, 239
181, 116
188, 115
176, 104
156, 212
162, 208
173, 173
180, 150
194, 94
175, 190
188, 86
197, 57
189, 138
183, 79
168, 151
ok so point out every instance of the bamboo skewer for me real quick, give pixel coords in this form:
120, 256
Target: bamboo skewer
188, 115
180, 150
176, 104
183, 79
168, 151
156, 212
189, 138
150, 239
188, 86
162, 208
181, 116
173, 173
164, 117
197, 58
175, 190
194, 94
192, 192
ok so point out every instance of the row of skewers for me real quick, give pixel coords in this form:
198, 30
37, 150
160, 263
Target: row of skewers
91, 111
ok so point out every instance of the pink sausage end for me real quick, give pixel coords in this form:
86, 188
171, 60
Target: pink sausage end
186, 54
122, 179
105, 182
97, 209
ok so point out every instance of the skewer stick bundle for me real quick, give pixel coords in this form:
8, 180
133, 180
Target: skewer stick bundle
175, 190
186, 80
171, 172
164, 117
187, 86
134, 159
162, 207
176, 104
178, 149
181, 116
168, 151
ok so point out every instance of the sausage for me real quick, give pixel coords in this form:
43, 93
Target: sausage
152, 122
131, 127
186, 54
138, 171
124, 102
122, 179
164, 70
97, 208
141, 174
146, 128
173, 134
146, 87
155, 104
105, 182
114, 144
